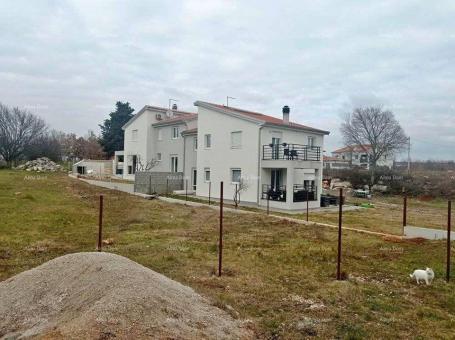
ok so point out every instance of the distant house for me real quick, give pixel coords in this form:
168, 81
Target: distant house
336, 163
359, 156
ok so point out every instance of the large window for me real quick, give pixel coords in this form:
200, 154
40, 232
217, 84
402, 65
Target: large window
236, 175
175, 132
208, 141
207, 174
236, 139
174, 164
134, 134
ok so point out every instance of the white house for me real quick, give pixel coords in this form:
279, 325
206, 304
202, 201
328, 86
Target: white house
153, 137
359, 156
272, 157
268, 157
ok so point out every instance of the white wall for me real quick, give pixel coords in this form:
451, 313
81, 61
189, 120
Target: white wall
139, 146
190, 158
220, 158
168, 146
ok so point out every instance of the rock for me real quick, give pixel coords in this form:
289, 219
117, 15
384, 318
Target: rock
42, 164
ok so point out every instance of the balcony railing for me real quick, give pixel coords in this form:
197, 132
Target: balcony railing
291, 152
304, 193
277, 193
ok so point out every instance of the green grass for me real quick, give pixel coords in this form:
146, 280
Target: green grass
271, 267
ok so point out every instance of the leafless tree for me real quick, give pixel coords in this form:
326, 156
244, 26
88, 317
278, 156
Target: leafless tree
239, 188
145, 166
374, 126
18, 130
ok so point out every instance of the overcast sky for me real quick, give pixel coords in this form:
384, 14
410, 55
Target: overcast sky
70, 61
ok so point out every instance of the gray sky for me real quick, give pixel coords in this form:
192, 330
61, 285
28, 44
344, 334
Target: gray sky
70, 61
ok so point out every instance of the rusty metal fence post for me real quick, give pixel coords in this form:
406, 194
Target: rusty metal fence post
100, 224
268, 203
186, 190
405, 210
307, 205
210, 190
220, 246
449, 227
340, 221
167, 187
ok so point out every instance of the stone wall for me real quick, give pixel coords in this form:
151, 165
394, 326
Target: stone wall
158, 182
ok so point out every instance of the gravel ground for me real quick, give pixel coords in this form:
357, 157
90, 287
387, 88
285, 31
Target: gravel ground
103, 296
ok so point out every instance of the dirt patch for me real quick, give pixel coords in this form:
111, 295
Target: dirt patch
102, 295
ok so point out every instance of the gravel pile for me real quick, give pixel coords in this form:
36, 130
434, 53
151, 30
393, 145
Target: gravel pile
102, 296
42, 164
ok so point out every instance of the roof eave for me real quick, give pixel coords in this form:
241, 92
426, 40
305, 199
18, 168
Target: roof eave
299, 128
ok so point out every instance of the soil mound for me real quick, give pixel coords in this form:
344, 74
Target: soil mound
103, 296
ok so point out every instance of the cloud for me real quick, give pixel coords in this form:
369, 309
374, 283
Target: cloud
70, 61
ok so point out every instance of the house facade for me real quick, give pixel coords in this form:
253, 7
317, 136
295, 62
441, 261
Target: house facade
359, 156
270, 157
265, 158
153, 139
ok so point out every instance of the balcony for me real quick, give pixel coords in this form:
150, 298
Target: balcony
287, 151
274, 194
304, 193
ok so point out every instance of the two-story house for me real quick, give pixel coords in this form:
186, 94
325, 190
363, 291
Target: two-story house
359, 156
153, 136
270, 158
273, 158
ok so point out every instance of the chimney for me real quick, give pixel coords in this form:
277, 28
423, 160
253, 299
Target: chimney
286, 111
174, 107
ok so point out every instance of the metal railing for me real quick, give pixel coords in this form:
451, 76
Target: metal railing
291, 152
277, 193
304, 193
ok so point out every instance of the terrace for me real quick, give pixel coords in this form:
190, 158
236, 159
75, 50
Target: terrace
287, 151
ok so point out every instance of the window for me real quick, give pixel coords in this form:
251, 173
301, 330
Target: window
160, 134
310, 141
158, 156
208, 141
236, 139
195, 143
236, 175
175, 132
120, 158
174, 163
207, 174
356, 156
134, 134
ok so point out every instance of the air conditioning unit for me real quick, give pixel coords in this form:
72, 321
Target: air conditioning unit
158, 116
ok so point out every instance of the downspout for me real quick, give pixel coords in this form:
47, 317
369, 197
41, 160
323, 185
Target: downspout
259, 164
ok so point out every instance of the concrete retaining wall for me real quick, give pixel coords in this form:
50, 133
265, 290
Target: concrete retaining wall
158, 182
427, 233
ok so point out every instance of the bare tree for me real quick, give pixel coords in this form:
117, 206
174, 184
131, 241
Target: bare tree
18, 130
146, 166
239, 188
377, 128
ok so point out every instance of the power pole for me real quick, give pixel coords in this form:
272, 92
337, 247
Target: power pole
409, 155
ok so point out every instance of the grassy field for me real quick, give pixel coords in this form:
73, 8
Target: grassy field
278, 274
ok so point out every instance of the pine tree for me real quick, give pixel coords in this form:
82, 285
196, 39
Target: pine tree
111, 130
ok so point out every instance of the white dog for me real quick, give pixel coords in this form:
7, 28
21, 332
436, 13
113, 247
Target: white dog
426, 275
